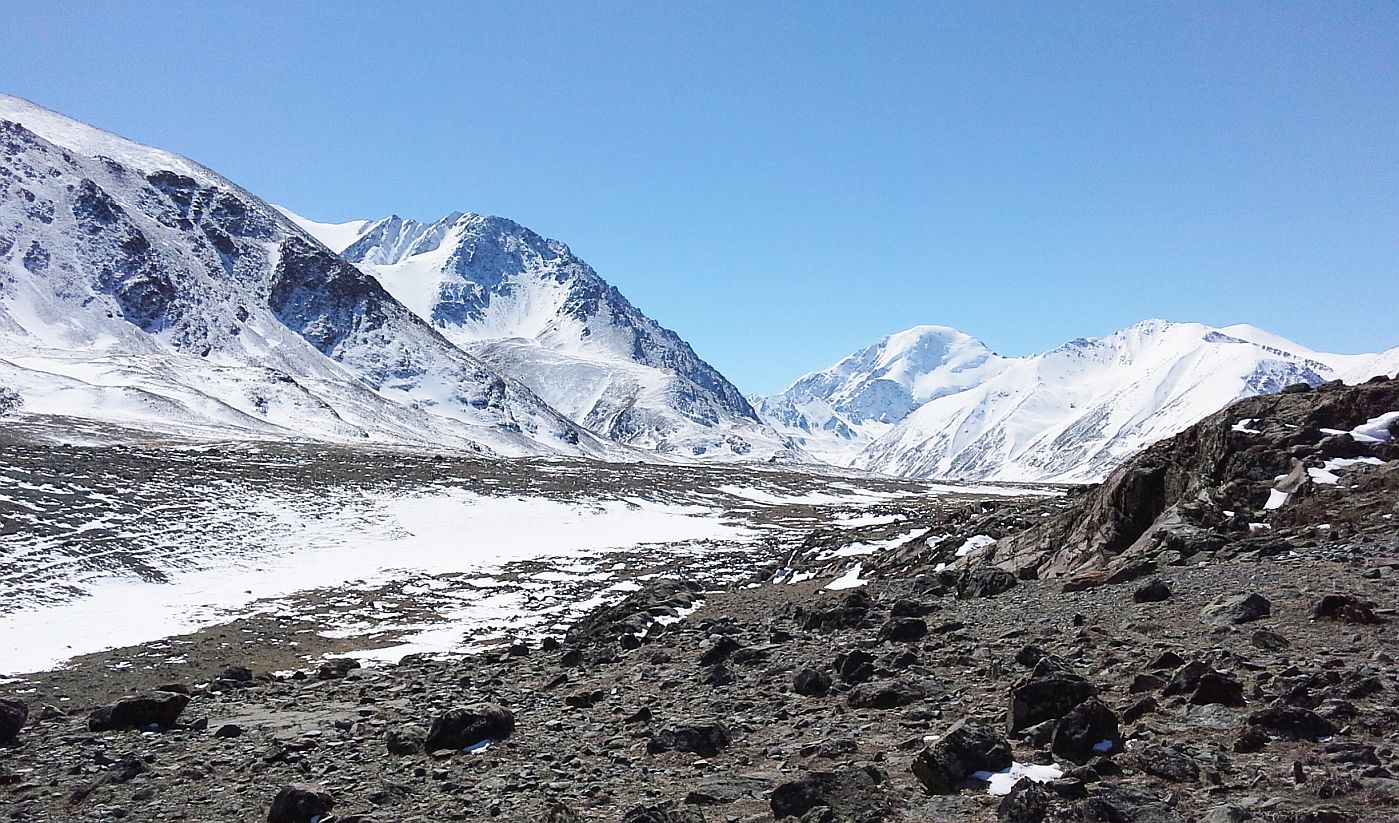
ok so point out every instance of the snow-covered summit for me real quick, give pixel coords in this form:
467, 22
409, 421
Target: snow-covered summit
140, 288
836, 411
533, 309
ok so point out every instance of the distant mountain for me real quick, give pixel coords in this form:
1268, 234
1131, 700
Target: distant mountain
1385, 363
835, 412
142, 289
1071, 414
532, 309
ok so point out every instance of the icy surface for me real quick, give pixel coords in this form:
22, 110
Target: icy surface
1375, 430
1000, 783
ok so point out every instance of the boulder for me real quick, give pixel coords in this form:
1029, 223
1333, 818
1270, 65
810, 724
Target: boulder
668, 812
1154, 590
1215, 687
703, 739
966, 748
850, 794
1292, 722
903, 630
1089, 729
458, 729
1346, 608
1168, 764
984, 583
147, 712
1046, 695
336, 668
811, 682
886, 694
1027, 802
406, 739
300, 803
1239, 609
13, 715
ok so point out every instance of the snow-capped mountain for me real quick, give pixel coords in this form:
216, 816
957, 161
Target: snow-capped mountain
532, 309
142, 289
835, 412
1385, 363
1074, 413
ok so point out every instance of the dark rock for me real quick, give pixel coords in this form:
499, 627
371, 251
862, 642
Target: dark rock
1139, 709
406, 739
669, 812
1045, 696
1168, 764
1027, 802
1268, 640
911, 608
1226, 814
300, 803
717, 675
13, 715
1218, 687
228, 731
1122, 803
1238, 609
458, 729
886, 694
1252, 739
337, 668
1079, 736
855, 667
811, 682
973, 583
717, 791
1154, 590
236, 674
719, 650
1293, 722
852, 794
1166, 660
903, 630
1346, 608
1147, 683
703, 739
966, 748
151, 711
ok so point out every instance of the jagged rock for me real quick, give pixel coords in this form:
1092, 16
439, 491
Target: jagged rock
906, 607
1139, 709
406, 739
1168, 764
1293, 722
1046, 695
1027, 802
1166, 660
1346, 608
851, 794
1154, 590
1081, 734
1226, 814
855, 666
1252, 739
461, 728
984, 582
886, 694
154, 710
719, 650
558, 811
903, 630
703, 739
1218, 687
1116, 802
337, 668
811, 682
228, 731
1146, 683
1268, 640
966, 748
717, 791
669, 812
1238, 609
300, 803
13, 715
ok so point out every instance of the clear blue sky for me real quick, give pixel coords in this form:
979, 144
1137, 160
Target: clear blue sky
785, 183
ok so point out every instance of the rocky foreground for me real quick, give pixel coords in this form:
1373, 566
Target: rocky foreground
1202, 657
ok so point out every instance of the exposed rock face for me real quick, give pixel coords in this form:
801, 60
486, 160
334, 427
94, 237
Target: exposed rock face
1170, 501
156, 710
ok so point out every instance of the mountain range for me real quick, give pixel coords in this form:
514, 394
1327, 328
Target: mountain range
145, 293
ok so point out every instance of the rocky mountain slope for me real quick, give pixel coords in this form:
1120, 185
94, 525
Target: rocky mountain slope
1070, 414
532, 309
139, 288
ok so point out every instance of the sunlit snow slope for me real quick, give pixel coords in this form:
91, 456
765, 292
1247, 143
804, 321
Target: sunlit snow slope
529, 307
934, 402
140, 288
